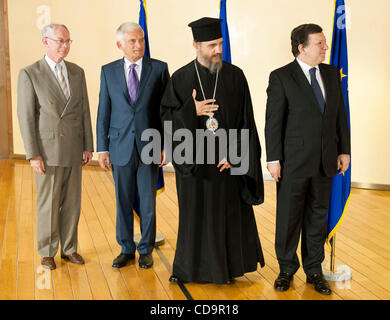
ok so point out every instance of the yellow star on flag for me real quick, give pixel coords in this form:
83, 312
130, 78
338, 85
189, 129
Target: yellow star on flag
342, 74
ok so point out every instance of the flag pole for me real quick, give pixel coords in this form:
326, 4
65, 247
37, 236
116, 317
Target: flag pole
341, 187
142, 21
333, 254
335, 271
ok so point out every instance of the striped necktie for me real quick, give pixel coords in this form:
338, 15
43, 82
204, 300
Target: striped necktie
62, 82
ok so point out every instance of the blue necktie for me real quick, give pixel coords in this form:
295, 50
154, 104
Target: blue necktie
316, 88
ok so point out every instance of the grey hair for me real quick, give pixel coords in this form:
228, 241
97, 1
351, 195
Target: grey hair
48, 29
131, 26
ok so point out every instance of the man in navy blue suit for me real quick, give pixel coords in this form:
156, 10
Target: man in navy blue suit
129, 102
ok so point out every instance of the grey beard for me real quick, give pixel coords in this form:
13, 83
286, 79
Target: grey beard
214, 67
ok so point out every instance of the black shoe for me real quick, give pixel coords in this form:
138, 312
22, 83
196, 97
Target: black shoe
121, 260
282, 282
320, 283
145, 261
230, 281
174, 279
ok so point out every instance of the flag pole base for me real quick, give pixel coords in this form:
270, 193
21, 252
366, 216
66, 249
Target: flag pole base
341, 272
160, 239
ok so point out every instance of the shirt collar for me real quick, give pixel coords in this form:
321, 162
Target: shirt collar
305, 67
52, 64
128, 63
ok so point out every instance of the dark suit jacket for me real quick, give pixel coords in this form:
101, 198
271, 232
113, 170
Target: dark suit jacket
120, 123
296, 132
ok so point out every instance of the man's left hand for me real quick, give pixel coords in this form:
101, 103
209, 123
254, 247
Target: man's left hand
343, 163
223, 164
87, 157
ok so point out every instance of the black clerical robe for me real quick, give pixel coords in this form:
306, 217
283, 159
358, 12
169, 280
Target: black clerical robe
217, 237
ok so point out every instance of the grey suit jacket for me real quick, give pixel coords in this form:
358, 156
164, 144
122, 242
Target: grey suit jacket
52, 127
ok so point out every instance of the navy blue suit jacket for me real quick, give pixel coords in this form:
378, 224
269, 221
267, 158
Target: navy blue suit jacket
120, 123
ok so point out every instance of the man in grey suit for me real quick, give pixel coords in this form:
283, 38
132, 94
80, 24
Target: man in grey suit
55, 124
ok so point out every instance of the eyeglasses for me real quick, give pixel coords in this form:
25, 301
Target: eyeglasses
61, 42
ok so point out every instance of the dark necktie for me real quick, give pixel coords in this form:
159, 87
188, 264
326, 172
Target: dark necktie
133, 83
317, 89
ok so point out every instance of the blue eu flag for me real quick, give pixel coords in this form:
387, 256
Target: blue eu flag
225, 32
143, 23
341, 187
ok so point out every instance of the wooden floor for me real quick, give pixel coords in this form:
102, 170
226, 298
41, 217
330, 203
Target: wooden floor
363, 243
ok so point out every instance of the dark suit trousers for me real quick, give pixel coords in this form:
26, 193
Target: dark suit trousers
128, 178
302, 205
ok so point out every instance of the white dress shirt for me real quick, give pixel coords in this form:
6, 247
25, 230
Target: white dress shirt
138, 69
306, 70
53, 67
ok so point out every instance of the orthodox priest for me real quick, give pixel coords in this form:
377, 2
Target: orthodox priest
217, 237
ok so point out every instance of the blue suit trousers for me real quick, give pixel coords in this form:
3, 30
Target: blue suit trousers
135, 178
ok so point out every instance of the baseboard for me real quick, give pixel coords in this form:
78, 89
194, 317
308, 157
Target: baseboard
266, 176
17, 156
94, 163
169, 168
370, 186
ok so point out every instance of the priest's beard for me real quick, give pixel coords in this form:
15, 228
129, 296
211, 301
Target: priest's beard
213, 67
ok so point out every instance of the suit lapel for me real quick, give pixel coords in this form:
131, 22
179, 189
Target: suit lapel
120, 75
146, 70
121, 78
327, 86
72, 85
301, 79
53, 86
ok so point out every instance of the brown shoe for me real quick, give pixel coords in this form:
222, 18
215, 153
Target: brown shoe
74, 258
48, 263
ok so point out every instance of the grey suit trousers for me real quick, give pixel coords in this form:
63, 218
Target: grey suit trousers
58, 209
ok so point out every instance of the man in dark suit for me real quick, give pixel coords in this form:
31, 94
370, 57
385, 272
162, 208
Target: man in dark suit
308, 142
130, 94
